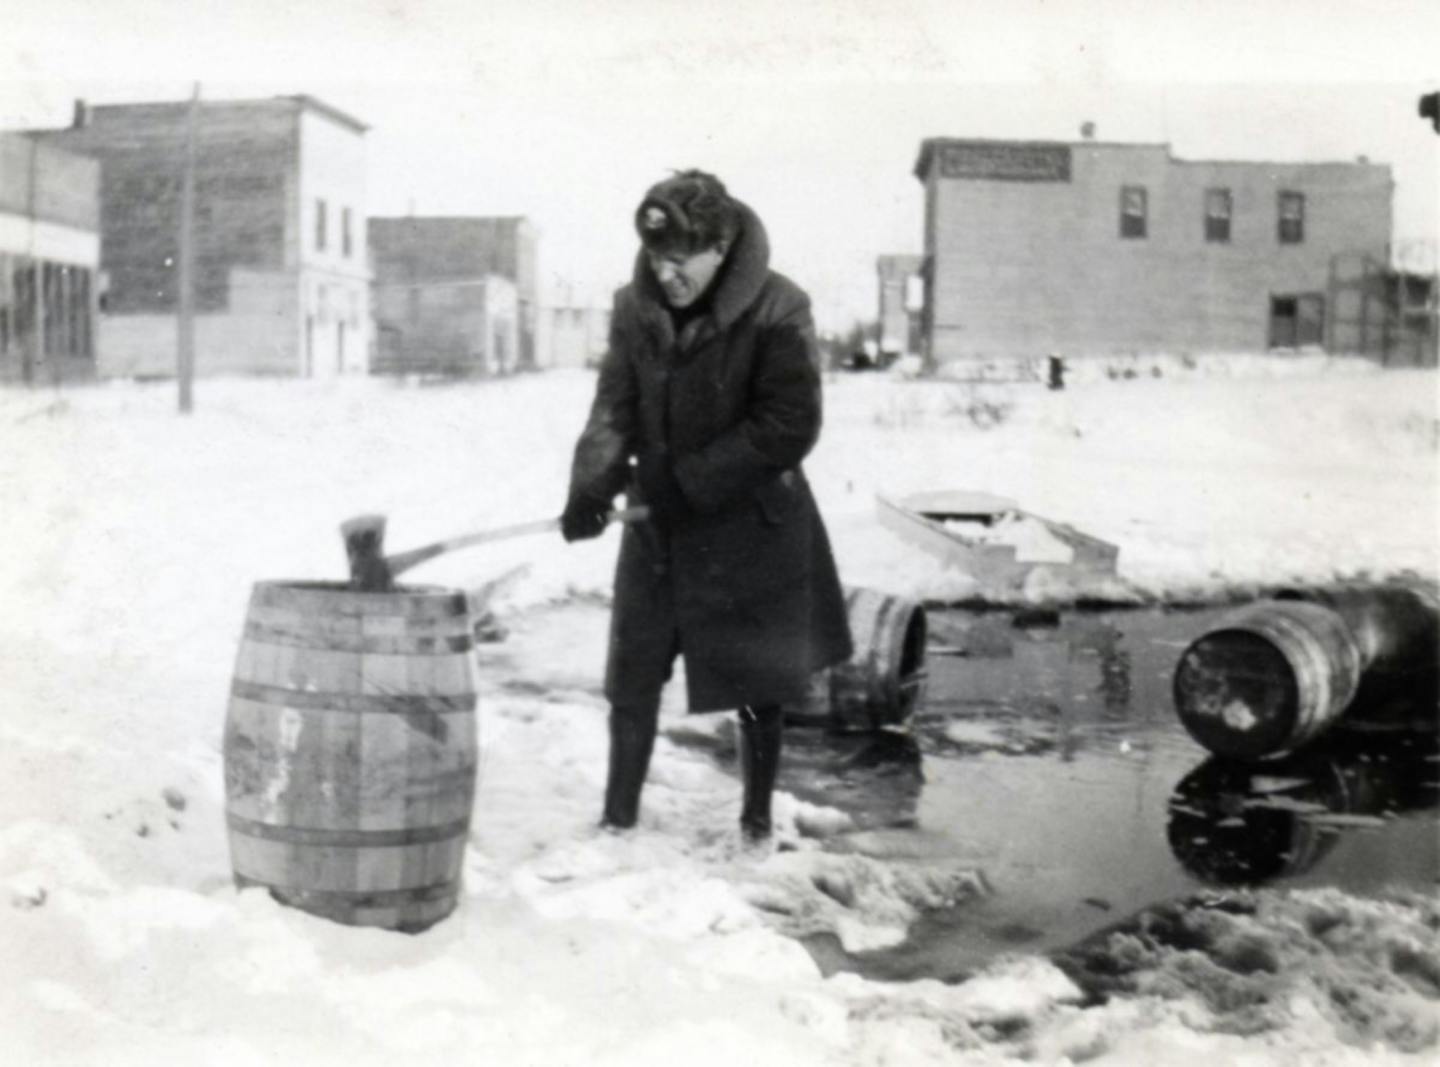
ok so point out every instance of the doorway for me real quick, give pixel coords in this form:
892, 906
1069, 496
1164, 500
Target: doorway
1297, 320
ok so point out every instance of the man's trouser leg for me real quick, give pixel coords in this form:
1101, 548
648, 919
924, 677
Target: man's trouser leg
632, 737
760, 736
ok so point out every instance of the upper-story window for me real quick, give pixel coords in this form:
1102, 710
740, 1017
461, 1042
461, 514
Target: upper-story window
1292, 218
1217, 215
320, 221
1133, 211
345, 240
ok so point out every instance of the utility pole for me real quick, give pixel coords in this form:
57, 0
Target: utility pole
185, 326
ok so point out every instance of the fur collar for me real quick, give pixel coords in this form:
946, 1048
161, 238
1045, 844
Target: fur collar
739, 282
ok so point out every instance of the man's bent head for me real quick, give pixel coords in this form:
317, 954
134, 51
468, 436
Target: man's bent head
686, 223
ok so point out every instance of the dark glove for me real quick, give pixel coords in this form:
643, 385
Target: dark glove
584, 518
655, 479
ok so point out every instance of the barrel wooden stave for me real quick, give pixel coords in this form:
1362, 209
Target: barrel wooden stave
350, 751
345, 769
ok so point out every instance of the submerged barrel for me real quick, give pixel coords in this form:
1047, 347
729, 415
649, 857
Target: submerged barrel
1269, 678
884, 679
350, 751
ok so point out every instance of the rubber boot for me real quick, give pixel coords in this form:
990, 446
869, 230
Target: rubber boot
632, 737
760, 736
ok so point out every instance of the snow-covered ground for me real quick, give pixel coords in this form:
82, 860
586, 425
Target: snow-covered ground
132, 537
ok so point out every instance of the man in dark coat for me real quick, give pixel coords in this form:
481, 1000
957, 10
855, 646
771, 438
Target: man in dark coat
712, 388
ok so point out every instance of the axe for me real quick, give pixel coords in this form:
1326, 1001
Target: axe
374, 572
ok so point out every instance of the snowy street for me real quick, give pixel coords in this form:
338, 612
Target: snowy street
133, 538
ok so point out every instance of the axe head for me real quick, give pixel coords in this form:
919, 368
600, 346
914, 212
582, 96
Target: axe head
365, 549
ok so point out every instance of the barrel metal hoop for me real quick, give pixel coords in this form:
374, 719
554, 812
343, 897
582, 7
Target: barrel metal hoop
310, 835
379, 898
339, 600
358, 703
1329, 694
270, 634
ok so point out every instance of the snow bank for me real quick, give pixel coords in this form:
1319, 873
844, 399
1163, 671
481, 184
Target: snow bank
1251, 475
1365, 973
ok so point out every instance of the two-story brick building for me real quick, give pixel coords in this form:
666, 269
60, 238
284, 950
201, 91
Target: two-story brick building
281, 277
1095, 248
49, 260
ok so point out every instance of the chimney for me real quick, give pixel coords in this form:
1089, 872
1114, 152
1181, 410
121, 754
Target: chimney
81, 117
1087, 130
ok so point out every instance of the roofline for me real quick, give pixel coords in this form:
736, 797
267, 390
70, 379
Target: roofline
328, 110
930, 144
298, 100
1279, 163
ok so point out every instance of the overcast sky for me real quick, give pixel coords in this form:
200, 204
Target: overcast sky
565, 110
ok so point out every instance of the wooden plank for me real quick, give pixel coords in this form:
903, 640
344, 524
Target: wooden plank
985, 563
960, 503
994, 566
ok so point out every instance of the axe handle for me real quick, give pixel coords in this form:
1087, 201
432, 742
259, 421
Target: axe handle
403, 561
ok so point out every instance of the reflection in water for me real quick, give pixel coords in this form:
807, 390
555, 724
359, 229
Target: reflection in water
1244, 824
874, 778
1114, 685
1051, 751
1028, 684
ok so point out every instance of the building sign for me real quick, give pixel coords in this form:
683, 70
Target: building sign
1006, 162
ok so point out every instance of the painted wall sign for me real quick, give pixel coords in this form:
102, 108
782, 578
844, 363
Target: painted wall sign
1006, 162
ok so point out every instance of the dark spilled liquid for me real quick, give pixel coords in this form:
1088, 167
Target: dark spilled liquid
1048, 755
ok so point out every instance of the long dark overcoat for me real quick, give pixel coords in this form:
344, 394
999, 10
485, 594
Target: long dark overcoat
744, 578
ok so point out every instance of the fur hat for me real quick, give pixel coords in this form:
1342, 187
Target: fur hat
685, 214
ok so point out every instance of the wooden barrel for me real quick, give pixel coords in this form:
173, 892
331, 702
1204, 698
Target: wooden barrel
1396, 625
1269, 678
884, 679
350, 751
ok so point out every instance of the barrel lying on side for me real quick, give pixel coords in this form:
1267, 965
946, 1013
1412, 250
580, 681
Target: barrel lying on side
350, 751
884, 679
1271, 677
1277, 674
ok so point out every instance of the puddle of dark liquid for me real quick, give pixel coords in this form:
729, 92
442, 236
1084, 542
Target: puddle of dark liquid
1050, 758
